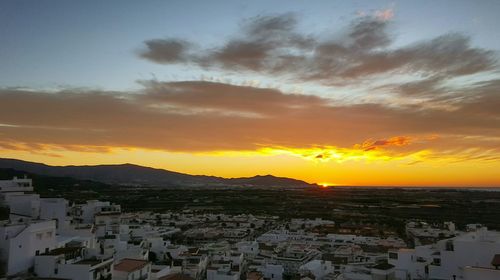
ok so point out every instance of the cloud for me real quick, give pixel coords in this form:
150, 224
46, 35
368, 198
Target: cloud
385, 14
370, 145
202, 116
219, 98
166, 50
199, 116
272, 45
423, 88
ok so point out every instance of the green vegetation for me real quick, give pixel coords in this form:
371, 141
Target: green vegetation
386, 208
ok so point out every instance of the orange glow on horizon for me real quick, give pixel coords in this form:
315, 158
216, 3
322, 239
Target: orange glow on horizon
326, 185
344, 166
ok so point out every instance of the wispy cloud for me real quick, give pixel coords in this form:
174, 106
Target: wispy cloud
199, 116
209, 116
370, 144
272, 45
385, 14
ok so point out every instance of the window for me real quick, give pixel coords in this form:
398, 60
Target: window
56, 271
37, 252
39, 236
393, 255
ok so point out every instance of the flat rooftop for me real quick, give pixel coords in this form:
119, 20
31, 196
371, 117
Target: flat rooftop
130, 265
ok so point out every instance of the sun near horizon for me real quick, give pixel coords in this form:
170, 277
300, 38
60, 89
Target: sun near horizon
353, 94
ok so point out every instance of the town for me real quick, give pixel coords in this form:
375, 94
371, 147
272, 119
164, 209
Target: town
53, 238
249, 140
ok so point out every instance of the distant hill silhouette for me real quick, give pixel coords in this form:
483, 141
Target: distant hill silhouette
130, 174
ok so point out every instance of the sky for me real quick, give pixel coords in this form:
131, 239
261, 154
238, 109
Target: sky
358, 93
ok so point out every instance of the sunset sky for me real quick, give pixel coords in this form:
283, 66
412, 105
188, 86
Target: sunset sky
392, 93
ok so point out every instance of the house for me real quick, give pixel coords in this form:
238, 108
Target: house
365, 271
19, 185
55, 208
132, 269
72, 263
448, 258
272, 271
223, 270
85, 213
18, 195
21, 242
318, 268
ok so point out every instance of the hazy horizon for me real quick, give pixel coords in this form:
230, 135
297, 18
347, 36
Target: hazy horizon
320, 184
331, 92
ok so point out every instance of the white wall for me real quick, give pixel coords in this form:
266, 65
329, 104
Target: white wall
472, 249
74, 272
24, 204
20, 243
45, 265
54, 208
273, 271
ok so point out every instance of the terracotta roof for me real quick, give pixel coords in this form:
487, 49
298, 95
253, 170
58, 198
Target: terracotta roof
254, 275
129, 265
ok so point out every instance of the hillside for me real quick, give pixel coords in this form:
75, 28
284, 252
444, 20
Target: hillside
130, 174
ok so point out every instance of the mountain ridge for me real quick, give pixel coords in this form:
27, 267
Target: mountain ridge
132, 174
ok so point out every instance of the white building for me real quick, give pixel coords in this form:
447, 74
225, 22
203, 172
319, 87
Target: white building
318, 268
21, 242
85, 213
223, 270
72, 263
19, 185
272, 271
110, 222
448, 258
248, 248
382, 271
472, 249
18, 195
23, 206
55, 208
